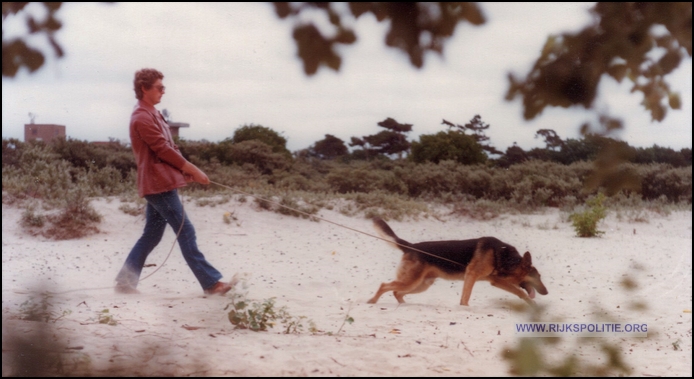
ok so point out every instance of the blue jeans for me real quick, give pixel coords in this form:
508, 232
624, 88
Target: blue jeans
163, 208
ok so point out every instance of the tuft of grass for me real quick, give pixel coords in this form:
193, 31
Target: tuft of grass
133, 210
76, 220
40, 310
32, 220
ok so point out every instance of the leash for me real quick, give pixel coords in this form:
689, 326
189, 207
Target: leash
332, 222
180, 228
272, 202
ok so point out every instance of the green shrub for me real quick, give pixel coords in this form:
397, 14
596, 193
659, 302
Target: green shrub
586, 222
352, 179
384, 205
432, 179
291, 207
449, 145
256, 153
260, 133
48, 172
663, 179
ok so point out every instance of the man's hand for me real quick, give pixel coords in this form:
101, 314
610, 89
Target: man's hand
196, 173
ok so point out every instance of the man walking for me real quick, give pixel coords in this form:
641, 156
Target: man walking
161, 170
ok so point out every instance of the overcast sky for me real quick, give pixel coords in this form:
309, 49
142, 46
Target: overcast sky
229, 65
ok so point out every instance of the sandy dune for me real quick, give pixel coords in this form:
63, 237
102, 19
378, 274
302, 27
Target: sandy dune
327, 273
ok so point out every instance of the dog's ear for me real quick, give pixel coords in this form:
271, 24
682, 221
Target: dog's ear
527, 259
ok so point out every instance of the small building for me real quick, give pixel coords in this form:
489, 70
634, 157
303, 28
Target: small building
174, 126
43, 132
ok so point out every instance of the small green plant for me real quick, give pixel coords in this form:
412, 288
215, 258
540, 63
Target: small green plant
41, 310
348, 320
256, 316
32, 310
104, 317
259, 316
586, 223
230, 217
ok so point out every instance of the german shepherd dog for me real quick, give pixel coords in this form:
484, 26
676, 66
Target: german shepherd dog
485, 258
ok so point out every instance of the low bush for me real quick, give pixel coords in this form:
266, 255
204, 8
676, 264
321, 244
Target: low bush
260, 316
586, 223
378, 186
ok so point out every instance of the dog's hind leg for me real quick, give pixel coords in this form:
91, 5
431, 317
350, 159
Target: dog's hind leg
394, 286
400, 288
426, 283
410, 278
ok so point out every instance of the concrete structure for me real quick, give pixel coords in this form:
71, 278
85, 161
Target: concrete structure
174, 126
43, 132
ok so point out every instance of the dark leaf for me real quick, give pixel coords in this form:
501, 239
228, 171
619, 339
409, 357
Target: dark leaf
617, 71
282, 9
674, 100
669, 61
56, 47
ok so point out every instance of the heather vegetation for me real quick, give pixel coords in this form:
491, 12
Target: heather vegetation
457, 170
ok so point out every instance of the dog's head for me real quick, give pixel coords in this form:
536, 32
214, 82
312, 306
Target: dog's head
531, 280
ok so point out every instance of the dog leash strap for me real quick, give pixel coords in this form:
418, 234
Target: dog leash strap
330, 222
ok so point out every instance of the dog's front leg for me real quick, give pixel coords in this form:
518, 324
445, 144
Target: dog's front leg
467, 289
480, 267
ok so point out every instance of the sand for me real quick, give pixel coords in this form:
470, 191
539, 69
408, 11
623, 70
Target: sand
327, 273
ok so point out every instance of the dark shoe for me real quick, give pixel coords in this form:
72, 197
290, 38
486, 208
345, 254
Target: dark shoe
126, 289
220, 288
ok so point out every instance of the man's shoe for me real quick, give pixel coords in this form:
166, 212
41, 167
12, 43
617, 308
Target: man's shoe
220, 288
126, 289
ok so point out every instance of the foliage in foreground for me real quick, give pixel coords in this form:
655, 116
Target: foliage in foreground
534, 356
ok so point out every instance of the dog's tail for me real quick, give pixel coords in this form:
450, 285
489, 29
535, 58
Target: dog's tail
388, 234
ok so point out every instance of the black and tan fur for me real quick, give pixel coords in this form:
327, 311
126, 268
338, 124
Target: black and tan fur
485, 258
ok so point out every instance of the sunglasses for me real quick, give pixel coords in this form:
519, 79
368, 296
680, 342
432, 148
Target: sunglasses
160, 88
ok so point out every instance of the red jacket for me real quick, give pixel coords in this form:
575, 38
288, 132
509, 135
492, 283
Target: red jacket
158, 159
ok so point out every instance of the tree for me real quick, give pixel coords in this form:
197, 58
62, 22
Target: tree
477, 127
392, 140
364, 150
552, 139
262, 134
448, 145
514, 155
387, 142
328, 148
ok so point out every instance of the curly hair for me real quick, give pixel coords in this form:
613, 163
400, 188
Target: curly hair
145, 77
